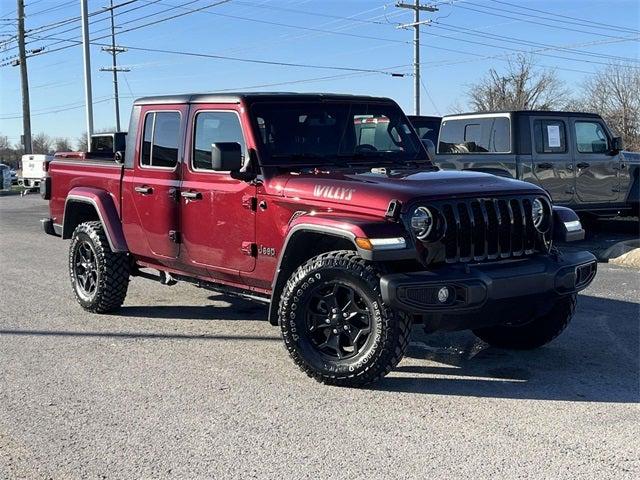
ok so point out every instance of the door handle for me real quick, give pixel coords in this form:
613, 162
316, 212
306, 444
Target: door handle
191, 195
570, 166
582, 165
544, 166
144, 190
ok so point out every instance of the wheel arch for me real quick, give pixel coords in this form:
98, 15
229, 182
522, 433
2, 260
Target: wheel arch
302, 243
87, 204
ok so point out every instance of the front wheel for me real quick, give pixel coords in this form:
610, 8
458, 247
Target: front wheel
99, 276
536, 333
335, 325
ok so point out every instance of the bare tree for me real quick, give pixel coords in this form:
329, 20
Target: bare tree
62, 144
614, 93
81, 143
42, 143
522, 86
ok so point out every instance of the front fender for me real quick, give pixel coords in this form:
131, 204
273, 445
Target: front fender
107, 213
299, 245
356, 228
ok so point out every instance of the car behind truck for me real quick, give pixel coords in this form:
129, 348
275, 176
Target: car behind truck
327, 208
572, 155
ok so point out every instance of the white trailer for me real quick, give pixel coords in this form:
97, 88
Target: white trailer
33, 170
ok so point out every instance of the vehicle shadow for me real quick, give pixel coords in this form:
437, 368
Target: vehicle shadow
234, 308
138, 335
597, 359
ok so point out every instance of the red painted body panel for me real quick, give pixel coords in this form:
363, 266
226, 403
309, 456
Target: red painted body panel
215, 227
67, 175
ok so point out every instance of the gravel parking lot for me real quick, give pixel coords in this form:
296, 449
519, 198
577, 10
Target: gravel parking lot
188, 384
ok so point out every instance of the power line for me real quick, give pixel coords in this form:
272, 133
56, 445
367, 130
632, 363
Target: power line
503, 38
243, 60
132, 21
503, 56
31, 32
78, 105
493, 13
51, 9
314, 14
66, 21
550, 17
535, 52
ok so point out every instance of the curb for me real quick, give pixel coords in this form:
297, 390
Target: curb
626, 254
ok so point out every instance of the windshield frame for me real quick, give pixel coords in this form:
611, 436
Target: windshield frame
338, 160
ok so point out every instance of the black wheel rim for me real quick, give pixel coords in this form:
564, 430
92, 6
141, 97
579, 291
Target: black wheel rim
338, 321
85, 267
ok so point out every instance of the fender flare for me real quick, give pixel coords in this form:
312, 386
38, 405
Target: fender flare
343, 228
107, 212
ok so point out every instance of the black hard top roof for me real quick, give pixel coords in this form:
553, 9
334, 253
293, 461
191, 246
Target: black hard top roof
423, 117
550, 113
250, 97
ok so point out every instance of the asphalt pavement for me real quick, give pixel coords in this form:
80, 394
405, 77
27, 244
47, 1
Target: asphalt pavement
183, 383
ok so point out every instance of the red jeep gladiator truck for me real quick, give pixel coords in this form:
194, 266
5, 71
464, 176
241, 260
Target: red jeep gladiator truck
327, 208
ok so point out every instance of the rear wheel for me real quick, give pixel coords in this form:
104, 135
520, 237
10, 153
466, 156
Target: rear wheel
538, 332
99, 276
335, 325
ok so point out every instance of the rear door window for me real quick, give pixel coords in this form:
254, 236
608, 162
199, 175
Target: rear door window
475, 135
160, 141
550, 136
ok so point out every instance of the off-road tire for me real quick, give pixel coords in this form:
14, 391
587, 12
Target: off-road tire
390, 330
534, 334
113, 270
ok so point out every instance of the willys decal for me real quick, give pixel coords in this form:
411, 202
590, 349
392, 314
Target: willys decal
334, 193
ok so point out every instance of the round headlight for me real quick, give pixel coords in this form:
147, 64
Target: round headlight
540, 214
422, 222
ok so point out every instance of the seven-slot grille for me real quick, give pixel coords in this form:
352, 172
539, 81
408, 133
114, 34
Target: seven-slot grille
488, 228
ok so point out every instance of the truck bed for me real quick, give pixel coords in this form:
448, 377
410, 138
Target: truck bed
68, 173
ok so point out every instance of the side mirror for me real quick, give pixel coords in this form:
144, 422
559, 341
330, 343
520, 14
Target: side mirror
119, 157
431, 148
616, 144
226, 156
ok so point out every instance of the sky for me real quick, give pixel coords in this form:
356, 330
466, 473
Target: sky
358, 44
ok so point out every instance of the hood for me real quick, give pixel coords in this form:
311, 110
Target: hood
375, 190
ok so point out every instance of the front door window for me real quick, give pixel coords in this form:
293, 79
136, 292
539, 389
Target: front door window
591, 138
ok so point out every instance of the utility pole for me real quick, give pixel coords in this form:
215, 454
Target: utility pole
86, 56
26, 110
416, 7
114, 65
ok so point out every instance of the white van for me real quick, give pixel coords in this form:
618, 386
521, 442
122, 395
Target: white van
33, 170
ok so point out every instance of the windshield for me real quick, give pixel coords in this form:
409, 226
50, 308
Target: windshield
330, 132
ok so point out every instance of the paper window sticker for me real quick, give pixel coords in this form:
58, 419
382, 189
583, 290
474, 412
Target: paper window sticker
553, 136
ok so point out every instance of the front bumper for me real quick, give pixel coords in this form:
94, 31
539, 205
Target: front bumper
471, 287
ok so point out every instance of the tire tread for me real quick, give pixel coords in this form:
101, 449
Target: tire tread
391, 354
115, 267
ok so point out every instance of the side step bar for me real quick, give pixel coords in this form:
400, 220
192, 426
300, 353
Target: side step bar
169, 279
